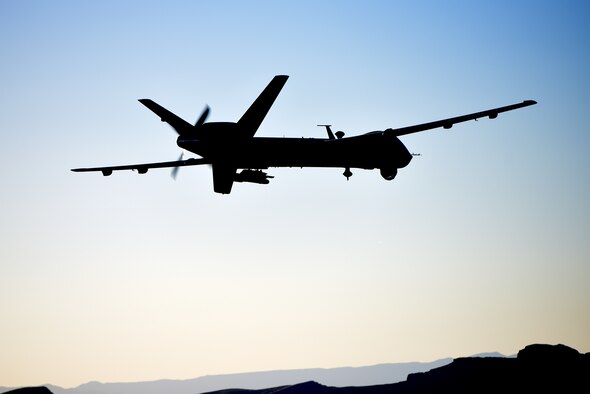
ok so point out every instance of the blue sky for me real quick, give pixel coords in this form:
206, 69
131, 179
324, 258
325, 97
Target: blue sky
480, 244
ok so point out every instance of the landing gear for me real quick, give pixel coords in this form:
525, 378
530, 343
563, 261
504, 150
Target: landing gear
388, 173
347, 173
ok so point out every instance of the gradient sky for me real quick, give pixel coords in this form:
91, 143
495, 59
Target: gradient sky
481, 244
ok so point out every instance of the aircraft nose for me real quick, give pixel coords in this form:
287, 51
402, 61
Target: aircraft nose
406, 159
403, 155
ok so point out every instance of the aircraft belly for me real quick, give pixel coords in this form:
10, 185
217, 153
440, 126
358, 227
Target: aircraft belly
310, 155
368, 153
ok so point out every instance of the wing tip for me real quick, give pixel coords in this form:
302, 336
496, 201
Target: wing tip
529, 102
281, 77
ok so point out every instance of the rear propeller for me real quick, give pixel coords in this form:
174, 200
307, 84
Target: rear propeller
193, 133
202, 118
175, 169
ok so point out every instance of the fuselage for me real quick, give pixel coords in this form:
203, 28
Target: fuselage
367, 151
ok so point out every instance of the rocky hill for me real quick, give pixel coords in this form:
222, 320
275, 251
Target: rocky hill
544, 368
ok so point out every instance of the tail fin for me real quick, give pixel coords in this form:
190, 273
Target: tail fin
254, 116
181, 126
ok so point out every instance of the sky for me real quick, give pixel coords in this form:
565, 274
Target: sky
481, 244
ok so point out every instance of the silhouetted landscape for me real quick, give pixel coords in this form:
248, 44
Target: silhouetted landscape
543, 367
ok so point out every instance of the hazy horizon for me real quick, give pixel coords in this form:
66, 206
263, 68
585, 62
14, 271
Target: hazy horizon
479, 245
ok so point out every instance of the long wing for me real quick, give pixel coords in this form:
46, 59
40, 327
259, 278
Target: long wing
448, 123
142, 168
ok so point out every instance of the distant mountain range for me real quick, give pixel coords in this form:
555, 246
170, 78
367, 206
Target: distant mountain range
339, 377
537, 367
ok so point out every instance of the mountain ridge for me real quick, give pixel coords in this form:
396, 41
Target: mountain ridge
561, 362
536, 368
339, 376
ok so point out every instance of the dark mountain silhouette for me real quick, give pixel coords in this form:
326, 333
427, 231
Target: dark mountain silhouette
538, 367
30, 390
338, 377
546, 368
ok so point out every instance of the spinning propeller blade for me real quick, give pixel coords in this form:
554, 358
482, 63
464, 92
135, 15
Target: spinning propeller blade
202, 118
175, 169
193, 132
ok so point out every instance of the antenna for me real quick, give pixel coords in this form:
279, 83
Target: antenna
330, 134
